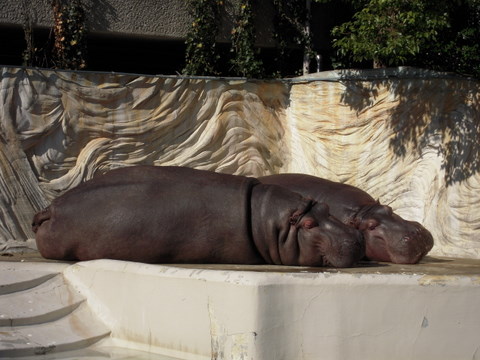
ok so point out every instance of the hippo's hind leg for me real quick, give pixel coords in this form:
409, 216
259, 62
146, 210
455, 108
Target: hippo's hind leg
40, 218
47, 242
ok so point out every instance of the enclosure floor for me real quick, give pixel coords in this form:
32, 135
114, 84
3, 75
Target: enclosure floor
193, 312
428, 266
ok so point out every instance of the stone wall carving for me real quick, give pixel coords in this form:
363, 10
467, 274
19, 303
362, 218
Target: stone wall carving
408, 137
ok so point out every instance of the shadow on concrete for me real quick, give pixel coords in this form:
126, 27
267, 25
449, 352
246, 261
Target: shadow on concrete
444, 115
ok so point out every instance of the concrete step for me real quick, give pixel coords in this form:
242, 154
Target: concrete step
41, 314
99, 351
46, 302
77, 330
16, 276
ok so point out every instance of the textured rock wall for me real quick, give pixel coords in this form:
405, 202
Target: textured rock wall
411, 140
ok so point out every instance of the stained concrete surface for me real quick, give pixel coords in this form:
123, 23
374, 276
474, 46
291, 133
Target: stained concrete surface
428, 266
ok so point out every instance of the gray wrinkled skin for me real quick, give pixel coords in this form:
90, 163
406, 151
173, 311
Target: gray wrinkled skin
388, 237
181, 215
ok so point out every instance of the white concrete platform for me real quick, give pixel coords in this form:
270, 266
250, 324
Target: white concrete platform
375, 311
428, 311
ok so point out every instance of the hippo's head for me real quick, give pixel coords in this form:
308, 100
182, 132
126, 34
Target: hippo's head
326, 241
388, 237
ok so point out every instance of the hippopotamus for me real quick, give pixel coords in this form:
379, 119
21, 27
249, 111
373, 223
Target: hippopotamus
388, 237
157, 214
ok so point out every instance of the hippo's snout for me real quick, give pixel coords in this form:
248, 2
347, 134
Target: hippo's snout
413, 246
421, 237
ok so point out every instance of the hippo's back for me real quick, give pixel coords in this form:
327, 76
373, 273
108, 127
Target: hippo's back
152, 214
344, 200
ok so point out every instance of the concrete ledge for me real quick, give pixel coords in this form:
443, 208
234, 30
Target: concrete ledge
427, 311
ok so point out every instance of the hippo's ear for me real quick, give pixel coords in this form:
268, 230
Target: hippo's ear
298, 214
295, 217
387, 210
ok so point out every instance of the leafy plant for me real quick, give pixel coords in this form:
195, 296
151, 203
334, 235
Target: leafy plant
201, 56
33, 55
459, 47
69, 49
245, 60
29, 55
290, 31
391, 32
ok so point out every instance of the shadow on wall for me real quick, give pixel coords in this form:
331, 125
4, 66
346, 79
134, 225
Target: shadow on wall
446, 117
101, 14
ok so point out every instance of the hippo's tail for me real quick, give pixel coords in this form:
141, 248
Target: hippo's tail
40, 218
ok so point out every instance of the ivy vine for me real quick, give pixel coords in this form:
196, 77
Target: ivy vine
201, 56
33, 55
290, 31
29, 55
69, 49
245, 61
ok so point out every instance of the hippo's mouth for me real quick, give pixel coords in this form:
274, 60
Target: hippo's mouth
326, 262
411, 248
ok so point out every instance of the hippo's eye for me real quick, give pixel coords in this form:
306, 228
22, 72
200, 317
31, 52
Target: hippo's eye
371, 224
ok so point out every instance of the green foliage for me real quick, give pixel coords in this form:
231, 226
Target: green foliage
69, 49
391, 32
459, 47
33, 55
289, 24
245, 60
465, 51
201, 56
29, 55
437, 34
